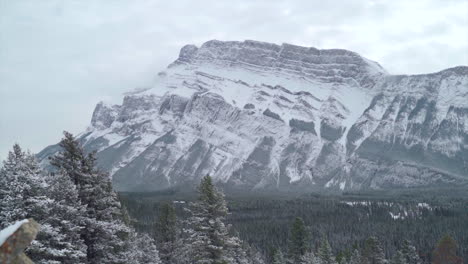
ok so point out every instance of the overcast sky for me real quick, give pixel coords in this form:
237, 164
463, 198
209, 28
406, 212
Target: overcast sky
58, 58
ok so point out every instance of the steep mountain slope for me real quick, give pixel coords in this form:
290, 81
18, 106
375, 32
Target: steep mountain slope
260, 115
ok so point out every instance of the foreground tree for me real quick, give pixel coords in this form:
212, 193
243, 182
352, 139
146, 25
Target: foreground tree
410, 253
22, 188
355, 257
278, 257
398, 258
142, 250
373, 252
298, 244
310, 258
105, 233
24, 194
446, 252
207, 238
62, 242
325, 253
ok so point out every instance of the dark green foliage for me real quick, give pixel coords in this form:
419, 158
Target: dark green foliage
410, 253
299, 240
373, 252
166, 232
325, 253
398, 258
265, 220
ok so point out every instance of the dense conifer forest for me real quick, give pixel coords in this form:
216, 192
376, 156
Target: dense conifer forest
346, 221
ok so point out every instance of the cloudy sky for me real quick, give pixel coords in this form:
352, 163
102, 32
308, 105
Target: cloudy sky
58, 58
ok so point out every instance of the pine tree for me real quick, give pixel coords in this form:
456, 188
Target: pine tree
62, 243
105, 232
373, 252
325, 253
355, 257
410, 253
142, 250
11, 189
27, 195
278, 257
446, 252
22, 188
166, 234
254, 256
207, 239
310, 258
298, 241
398, 258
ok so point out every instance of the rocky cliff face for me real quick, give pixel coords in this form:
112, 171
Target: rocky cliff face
259, 115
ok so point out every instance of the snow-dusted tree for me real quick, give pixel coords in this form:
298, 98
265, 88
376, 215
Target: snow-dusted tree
298, 243
207, 236
27, 194
254, 256
11, 189
105, 232
355, 257
410, 253
62, 242
142, 250
310, 258
22, 188
373, 252
278, 257
398, 258
325, 253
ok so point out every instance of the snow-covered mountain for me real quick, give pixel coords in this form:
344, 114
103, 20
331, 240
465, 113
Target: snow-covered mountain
259, 115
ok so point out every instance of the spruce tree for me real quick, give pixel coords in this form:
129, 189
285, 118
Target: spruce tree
104, 231
278, 257
410, 253
373, 252
309, 258
142, 250
24, 193
355, 257
325, 253
22, 188
62, 244
298, 243
398, 258
207, 238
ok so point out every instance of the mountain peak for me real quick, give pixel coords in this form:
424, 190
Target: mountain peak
258, 115
329, 65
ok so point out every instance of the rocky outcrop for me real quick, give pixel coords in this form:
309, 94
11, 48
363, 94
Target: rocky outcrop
15, 239
259, 115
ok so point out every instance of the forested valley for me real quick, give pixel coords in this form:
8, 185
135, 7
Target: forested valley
346, 221
83, 220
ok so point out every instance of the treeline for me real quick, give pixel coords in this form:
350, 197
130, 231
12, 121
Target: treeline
264, 221
299, 249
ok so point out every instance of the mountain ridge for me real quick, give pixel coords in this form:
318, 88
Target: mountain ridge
257, 115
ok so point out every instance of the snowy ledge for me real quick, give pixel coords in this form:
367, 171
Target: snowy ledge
7, 232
